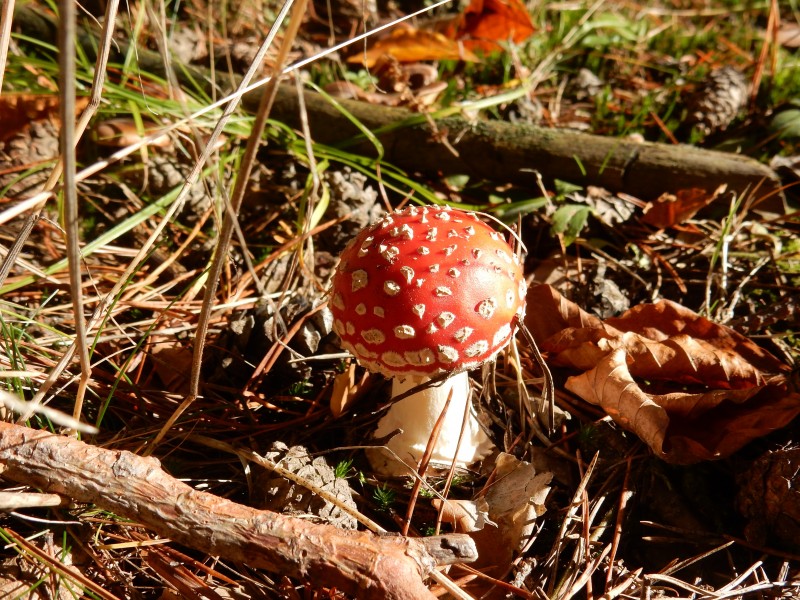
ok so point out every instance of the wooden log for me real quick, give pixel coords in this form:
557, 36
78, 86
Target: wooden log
513, 152
356, 562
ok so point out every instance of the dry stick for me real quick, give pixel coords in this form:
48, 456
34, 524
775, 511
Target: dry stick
136, 488
562, 534
516, 152
10, 501
231, 216
624, 497
422, 468
6, 13
41, 556
549, 391
66, 84
94, 103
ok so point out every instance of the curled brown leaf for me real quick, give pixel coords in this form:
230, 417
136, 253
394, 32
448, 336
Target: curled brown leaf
690, 388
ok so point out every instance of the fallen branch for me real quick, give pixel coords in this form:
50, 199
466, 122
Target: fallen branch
515, 152
358, 563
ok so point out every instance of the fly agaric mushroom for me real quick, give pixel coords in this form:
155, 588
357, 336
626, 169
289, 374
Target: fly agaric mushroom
425, 292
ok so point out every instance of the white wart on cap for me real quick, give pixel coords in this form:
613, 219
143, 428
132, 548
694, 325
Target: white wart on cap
426, 291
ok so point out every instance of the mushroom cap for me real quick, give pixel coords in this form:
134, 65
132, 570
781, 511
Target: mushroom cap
425, 291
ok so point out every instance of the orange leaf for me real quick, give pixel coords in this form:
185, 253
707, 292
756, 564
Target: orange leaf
344, 388
408, 45
485, 23
17, 110
347, 391
669, 209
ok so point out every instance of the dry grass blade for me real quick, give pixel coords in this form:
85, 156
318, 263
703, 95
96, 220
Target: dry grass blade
625, 496
6, 18
616, 591
27, 409
30, 221
585, 577
72, 223
685, 585
10, 501
178, 576
232, 208
426, 456
577, 502
549, 391
35, 553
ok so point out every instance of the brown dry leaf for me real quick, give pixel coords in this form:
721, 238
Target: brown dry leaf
504, 519
343, 390
709, 389
172, 363
122, 131
467, 516
485, 24
674, 209
408, 45
347, 391
17, 110
789, 34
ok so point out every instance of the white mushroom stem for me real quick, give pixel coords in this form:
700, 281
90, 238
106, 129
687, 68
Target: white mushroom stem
417, 416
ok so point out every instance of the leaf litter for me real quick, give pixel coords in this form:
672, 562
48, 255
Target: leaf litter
691, 389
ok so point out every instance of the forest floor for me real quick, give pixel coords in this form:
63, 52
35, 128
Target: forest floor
645, 155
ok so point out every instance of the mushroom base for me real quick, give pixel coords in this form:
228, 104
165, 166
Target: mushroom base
416, 416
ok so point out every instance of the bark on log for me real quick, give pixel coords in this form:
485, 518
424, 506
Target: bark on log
494, 150
512, 152
358, 563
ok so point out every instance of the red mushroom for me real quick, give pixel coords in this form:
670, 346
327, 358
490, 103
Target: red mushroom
424, 292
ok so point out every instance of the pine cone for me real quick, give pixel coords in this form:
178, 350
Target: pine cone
278, 494
164, 173
717, 101
26, 150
